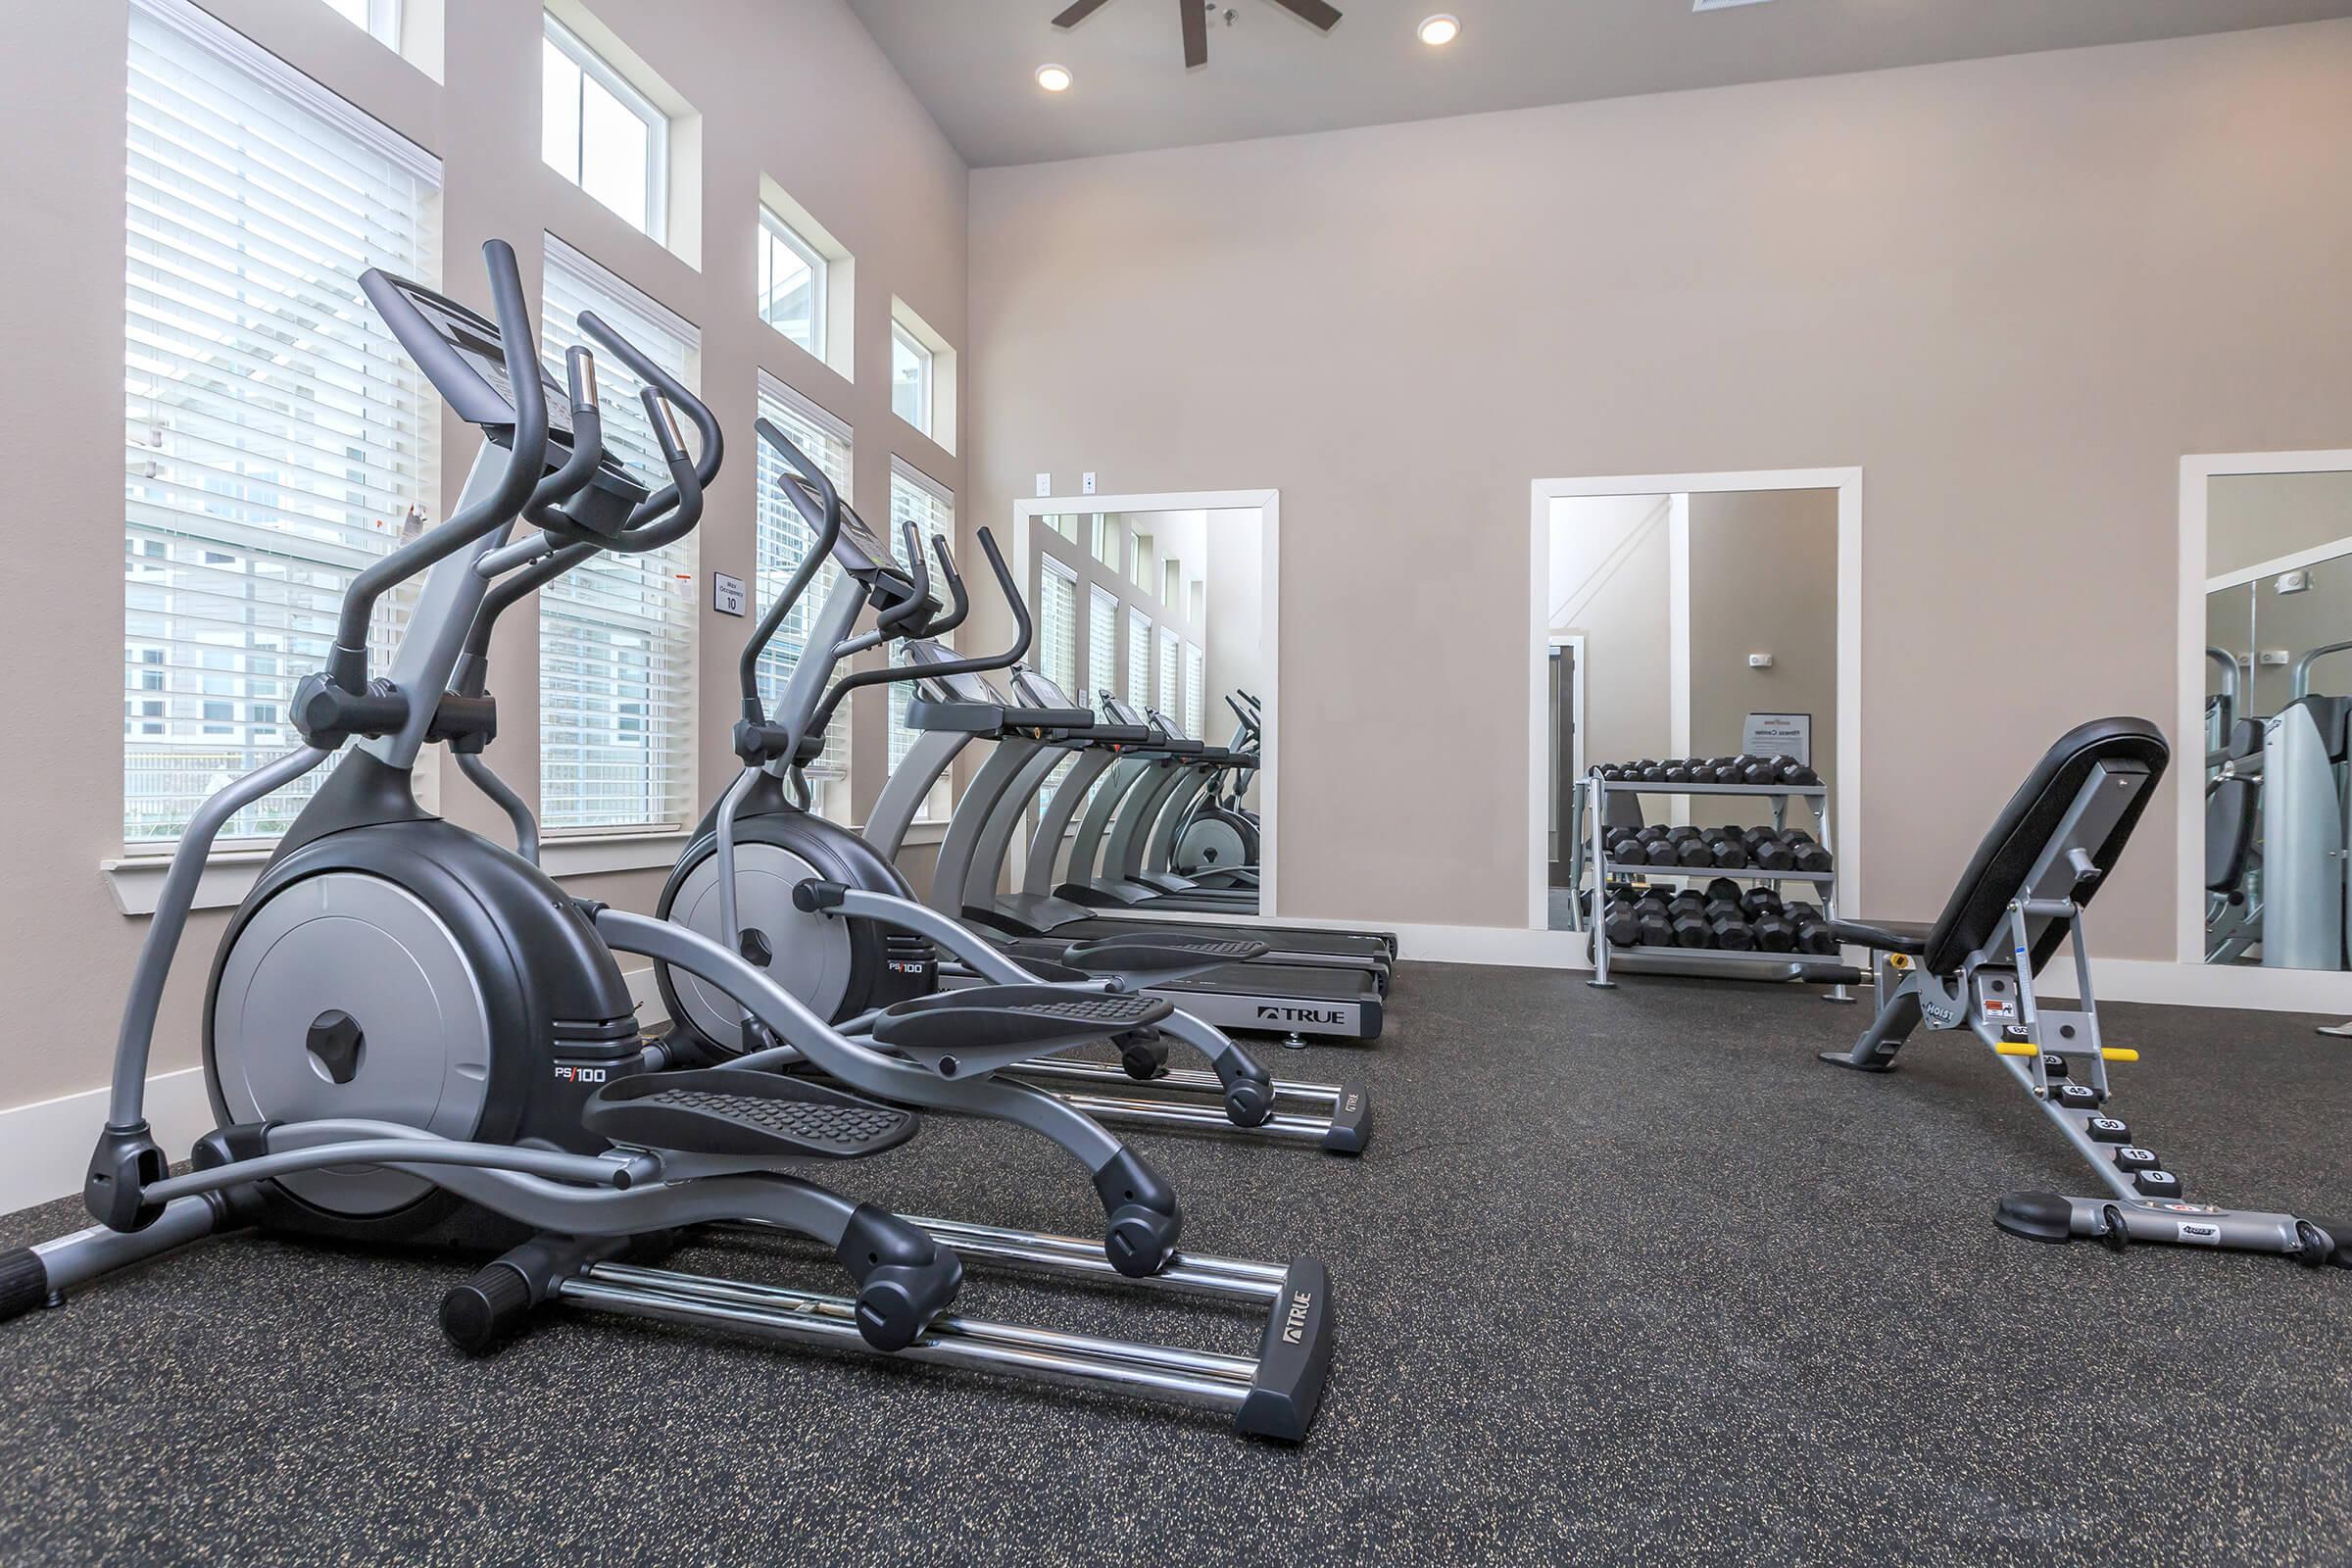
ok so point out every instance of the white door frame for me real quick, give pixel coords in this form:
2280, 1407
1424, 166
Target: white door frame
1576, 693
2200, 983
1268, 504
1846, 827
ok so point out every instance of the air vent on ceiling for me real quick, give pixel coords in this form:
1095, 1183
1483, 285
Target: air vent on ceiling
1722, 5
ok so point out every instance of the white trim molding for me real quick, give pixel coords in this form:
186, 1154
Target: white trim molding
49, 1141
1847, 482
136, 881
1268, 504
2193, 980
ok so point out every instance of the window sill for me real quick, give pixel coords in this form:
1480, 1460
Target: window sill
136, 881
594, 853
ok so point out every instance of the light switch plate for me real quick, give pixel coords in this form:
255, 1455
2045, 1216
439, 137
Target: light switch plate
1044, 484
1090, 482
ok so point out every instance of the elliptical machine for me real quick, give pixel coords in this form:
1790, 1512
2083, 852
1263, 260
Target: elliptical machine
832, 917
413, 1037
1214, 841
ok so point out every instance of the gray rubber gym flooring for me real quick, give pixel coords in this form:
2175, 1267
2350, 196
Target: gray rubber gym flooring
1627, 1277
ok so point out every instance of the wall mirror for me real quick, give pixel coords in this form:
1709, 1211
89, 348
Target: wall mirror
1692, 639
2277, 644
1153, 620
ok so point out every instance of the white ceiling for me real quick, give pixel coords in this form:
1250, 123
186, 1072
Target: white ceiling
974, 62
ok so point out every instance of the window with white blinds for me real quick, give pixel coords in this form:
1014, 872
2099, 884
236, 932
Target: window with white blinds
1101, 645
1138, 659
1193, 663
276, 439
784, 542
616, 632
916, 498
1057, 649
1171, 697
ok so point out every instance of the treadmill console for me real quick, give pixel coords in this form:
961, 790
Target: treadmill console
1037, 691
958, 686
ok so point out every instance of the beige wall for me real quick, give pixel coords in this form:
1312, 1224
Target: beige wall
2015, 292
799, 93
1763, 580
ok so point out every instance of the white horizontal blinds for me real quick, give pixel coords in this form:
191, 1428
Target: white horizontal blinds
275, 435
784, 542
1102, 645
1057, 624
616, 632
1138, 659
1171, 700
1191, 691
915, 497
1057, 647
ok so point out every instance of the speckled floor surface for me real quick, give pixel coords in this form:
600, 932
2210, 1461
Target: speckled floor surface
1627, 1277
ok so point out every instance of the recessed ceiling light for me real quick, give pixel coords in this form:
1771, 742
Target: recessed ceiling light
1440, 31
1053, 79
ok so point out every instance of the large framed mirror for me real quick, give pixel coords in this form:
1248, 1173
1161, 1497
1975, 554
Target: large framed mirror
1688, 630
2268, 808
1154, 613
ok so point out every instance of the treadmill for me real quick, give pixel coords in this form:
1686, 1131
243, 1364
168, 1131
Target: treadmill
1133, 820
1338, 997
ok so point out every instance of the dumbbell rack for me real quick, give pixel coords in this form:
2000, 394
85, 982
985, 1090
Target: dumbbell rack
1818, 969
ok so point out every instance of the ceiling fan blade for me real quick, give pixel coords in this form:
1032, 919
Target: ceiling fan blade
1079, 13
1196, 33
1317, 13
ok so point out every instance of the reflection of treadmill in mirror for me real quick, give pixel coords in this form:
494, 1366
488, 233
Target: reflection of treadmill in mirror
1120, 739
1134, 870
1338, 997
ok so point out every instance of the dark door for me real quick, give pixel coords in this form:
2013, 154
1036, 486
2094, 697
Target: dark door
1563, 765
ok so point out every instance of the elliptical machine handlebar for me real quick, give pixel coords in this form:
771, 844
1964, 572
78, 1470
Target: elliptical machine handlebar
545, 509
637, 536
822, 515
347, 659
960, 603
1023, 632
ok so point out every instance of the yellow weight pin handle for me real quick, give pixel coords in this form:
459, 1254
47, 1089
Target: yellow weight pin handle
2018, 1047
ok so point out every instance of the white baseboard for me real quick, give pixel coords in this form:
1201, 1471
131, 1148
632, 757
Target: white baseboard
49, 1141
2148, 980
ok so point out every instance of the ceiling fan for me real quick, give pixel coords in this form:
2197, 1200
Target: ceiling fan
1318, 13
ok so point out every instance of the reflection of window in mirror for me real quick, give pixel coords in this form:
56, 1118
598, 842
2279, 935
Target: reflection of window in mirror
1106, 539
2278, 713
1144, 562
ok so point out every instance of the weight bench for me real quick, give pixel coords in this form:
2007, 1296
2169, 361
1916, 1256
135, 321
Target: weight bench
2021, 898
